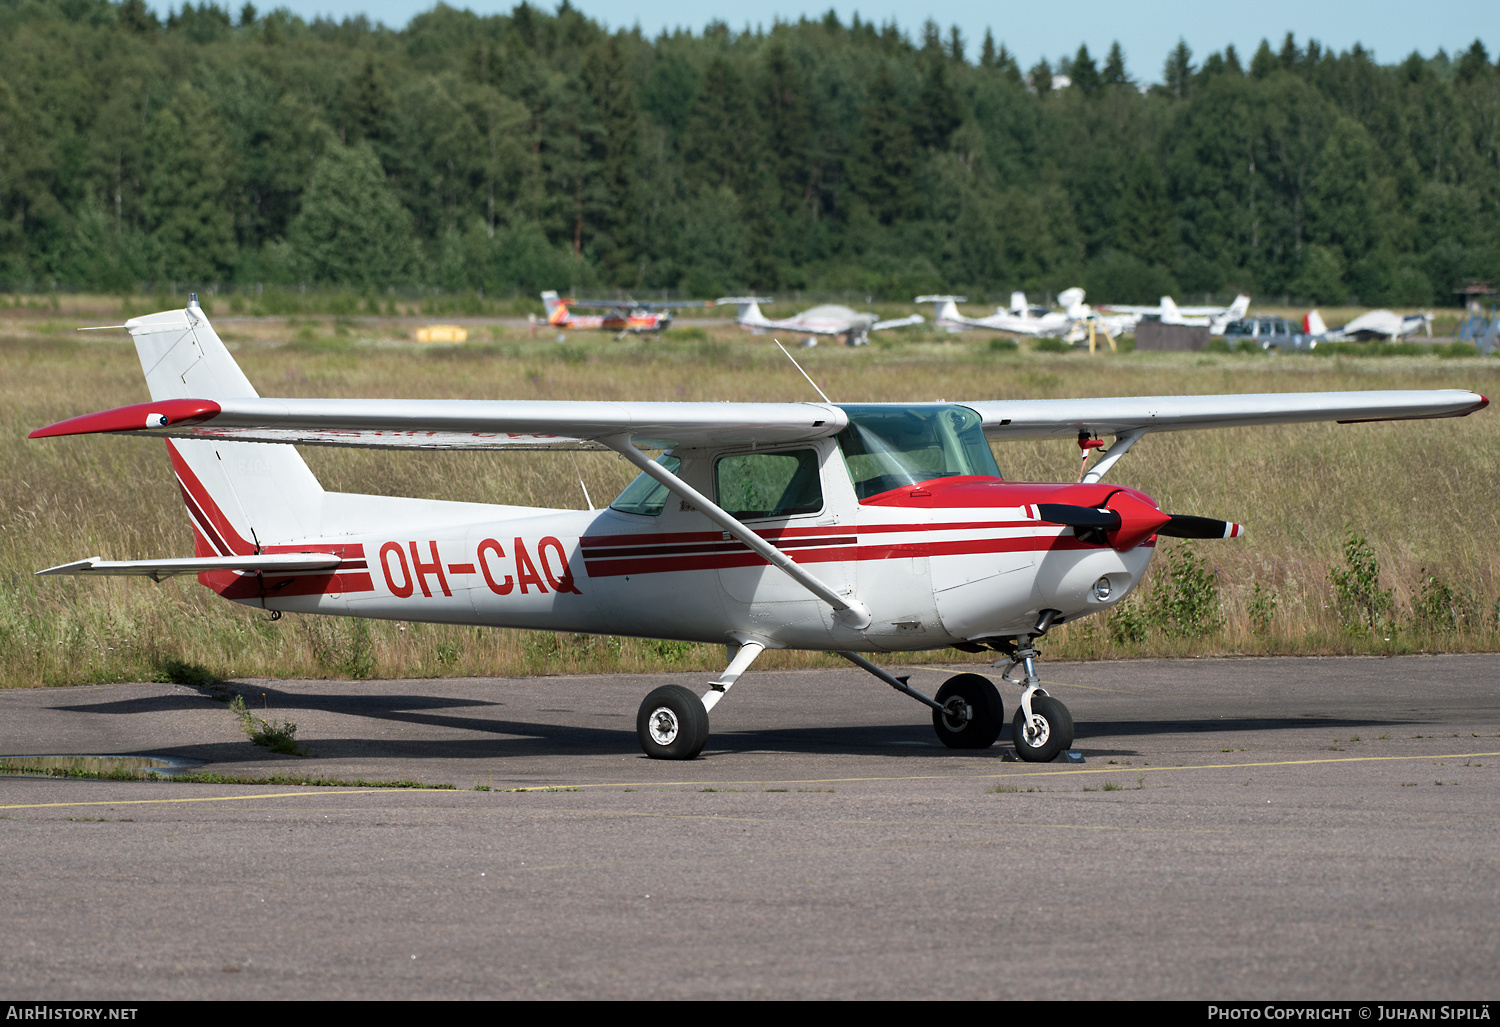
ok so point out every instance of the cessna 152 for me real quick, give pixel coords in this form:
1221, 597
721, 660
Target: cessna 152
829, 319
861, 528
624, 317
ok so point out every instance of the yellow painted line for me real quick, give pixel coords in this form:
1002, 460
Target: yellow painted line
205, 798
1115, 769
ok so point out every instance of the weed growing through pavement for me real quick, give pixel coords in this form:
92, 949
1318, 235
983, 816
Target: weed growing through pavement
278, 736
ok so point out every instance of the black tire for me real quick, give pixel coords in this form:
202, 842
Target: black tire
987, 715
1057, 730
672, 724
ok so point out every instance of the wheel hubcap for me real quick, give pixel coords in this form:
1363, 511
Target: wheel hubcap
663, 726
957, 714
1037, 732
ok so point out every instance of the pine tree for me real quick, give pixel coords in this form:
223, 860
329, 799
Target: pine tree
1114, 67
887, 168
1177, 76
1085, 75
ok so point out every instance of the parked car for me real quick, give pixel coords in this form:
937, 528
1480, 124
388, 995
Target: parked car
1267, 333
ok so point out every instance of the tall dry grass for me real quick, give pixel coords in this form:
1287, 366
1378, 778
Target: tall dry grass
1423, 493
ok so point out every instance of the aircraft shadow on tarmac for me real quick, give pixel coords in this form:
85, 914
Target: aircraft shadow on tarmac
532, 738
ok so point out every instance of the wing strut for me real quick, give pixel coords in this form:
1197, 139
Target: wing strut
1107, 458
849, 610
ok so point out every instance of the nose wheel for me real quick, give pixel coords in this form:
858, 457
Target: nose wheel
1047, 732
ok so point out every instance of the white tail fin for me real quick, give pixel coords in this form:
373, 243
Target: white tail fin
1018, 304
240, 495
1313, 324
1169, 312
944, 309
1240, 307
1071, 300
747, 308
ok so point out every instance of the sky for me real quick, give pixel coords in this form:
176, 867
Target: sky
1146, 29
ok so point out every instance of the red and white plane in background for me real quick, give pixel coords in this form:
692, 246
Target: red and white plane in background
828, 319
624, 317
858, 528
1373, 324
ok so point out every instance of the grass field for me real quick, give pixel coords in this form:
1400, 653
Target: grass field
1423, 493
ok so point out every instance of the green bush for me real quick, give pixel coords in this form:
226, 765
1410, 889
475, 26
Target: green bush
1358, 597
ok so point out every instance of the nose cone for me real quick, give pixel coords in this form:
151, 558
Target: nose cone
1139, 518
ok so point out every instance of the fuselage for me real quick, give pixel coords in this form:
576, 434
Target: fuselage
937, 561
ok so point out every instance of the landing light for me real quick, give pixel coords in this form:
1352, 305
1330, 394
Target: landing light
1101, 588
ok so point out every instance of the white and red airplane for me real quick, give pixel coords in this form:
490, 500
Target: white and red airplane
861, 529
828, 319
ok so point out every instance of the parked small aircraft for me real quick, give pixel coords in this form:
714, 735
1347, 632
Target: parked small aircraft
1169, 313
1374, 324
858, 528
1076, 320
828, 319
623, 317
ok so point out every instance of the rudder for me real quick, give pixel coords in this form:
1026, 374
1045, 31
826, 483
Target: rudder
240, 495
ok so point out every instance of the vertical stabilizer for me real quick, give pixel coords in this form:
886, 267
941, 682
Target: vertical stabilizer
747, 310
240, 495
1018, 304
557, 310
1170, 315
1313, 324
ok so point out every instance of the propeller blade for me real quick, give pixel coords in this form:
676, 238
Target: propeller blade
1079, 516
1183, 526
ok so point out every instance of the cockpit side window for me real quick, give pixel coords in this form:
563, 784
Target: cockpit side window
886, 447
752, 485
647, 496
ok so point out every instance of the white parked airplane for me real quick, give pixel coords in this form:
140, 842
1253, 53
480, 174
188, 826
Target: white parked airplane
1072, 322
828, 319
856, 528
1374, 324
1169, 313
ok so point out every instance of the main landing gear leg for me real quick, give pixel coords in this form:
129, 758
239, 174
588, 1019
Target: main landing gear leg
967, 713
1043, 727
672, 723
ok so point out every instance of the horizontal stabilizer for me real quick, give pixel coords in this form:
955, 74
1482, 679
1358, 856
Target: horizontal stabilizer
157, 570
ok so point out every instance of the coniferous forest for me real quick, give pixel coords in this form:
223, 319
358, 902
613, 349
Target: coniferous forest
535, 150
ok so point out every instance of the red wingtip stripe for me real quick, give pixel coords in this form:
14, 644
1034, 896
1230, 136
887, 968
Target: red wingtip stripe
136, 417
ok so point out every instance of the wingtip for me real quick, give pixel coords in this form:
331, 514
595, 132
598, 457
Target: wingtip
136, 417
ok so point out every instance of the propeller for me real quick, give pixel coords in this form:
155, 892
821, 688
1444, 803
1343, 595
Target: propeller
1092, 522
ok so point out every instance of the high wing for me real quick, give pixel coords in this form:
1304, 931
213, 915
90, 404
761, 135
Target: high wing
464, 424
1052, 418
498, 424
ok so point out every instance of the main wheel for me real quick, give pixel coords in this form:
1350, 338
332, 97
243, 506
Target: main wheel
972, 713
1051, 730
672, 724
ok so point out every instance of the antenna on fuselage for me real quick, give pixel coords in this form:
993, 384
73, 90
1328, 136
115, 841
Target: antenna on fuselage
799, 367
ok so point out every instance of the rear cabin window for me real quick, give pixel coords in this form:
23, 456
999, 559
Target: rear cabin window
752, 485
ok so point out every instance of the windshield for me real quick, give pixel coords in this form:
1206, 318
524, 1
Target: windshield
886, 447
